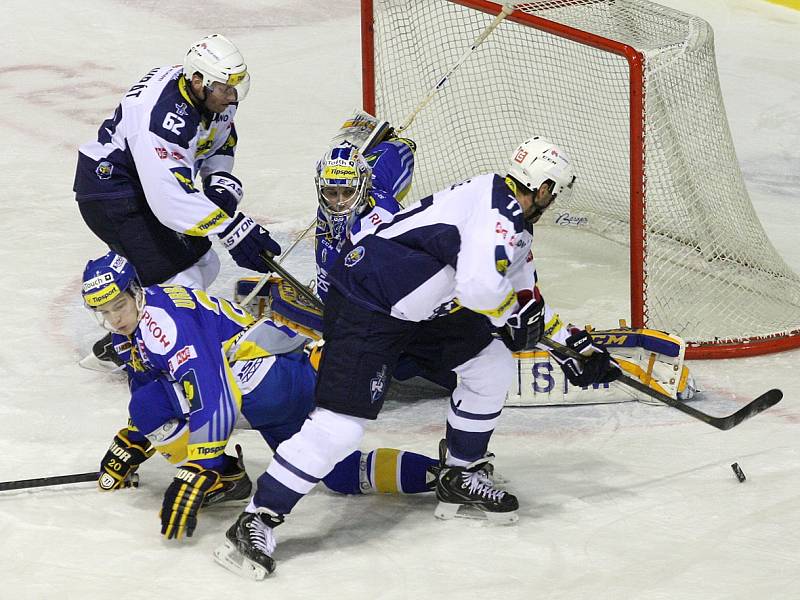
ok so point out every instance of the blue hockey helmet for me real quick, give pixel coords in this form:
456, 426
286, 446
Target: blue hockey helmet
343, 179
107, 277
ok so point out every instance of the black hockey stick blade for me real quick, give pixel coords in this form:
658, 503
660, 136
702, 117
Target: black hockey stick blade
752, 408
47, 481
301, 289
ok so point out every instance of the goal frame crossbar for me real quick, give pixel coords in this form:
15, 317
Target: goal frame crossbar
637, 201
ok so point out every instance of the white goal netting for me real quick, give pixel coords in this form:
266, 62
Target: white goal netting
708, 272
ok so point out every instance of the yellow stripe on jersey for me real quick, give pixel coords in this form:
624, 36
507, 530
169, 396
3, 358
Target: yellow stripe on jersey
207, 449
387, 468
205, 301
507, 303
235, 314
204, 227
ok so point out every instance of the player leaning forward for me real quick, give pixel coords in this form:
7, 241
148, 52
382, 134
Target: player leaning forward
432, 276
135, 185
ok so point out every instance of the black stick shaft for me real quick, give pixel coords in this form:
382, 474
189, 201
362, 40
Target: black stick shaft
301, 289
763, 402
47, 481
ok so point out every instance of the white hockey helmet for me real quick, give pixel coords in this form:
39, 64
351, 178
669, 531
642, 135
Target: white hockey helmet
218, 60
538, 160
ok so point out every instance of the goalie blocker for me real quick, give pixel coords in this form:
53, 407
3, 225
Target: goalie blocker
653, 357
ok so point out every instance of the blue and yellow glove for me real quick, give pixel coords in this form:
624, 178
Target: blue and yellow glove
183, 500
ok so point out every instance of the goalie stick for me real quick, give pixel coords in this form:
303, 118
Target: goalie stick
752, 408
301, 289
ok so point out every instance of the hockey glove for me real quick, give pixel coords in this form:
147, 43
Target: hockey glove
121, 461
246, 240
598, 367
524, 328
183, 499
224, 190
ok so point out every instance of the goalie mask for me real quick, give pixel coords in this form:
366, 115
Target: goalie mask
220, 63
538, 161
111, 290
343, 182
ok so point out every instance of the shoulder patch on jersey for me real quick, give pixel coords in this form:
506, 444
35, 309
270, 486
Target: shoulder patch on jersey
158, 330
506, 204
354, 256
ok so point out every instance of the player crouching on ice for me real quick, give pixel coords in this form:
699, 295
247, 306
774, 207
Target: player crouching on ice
195, 364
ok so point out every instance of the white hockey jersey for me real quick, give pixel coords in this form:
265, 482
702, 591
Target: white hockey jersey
467, 245
156, 143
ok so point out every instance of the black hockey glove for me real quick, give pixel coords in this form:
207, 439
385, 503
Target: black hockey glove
524, 328
598, 367
119, 465
246, 240
183, 500
224, 190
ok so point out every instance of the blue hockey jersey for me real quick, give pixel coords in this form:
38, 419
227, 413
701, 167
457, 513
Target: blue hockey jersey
207, 355
392, 165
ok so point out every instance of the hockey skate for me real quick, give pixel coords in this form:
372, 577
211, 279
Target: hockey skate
248, 549
235, 485
103, 357
470, 488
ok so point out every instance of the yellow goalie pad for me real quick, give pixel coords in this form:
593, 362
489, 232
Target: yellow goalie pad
653, 357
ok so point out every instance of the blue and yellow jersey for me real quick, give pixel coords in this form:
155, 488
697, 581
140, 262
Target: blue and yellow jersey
392, 164
190, 342
157, 143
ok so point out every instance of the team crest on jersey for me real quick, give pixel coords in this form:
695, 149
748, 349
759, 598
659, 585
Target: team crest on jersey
377, 385
181, 109
104, 170
354, 256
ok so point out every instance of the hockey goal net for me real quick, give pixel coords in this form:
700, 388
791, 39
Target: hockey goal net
630, 89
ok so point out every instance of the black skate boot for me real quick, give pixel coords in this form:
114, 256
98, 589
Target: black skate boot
249, 545
234, 484
103, 357
471, 486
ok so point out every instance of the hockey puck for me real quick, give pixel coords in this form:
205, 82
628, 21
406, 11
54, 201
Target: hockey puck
738, 471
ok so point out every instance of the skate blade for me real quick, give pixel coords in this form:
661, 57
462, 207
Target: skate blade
93, 363
229, 557
448, 510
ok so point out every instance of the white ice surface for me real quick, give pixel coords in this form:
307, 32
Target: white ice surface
619, 501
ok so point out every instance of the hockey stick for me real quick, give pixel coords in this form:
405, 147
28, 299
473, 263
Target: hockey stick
508, 8
47, 481
752, 408
301, 289
262, 282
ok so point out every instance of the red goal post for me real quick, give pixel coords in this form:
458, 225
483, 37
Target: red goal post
629, 88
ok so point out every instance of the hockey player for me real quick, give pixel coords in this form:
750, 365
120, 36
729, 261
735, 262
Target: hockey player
441, 273
195, 362
135, 184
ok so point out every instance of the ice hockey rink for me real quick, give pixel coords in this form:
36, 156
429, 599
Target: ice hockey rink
616, 501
